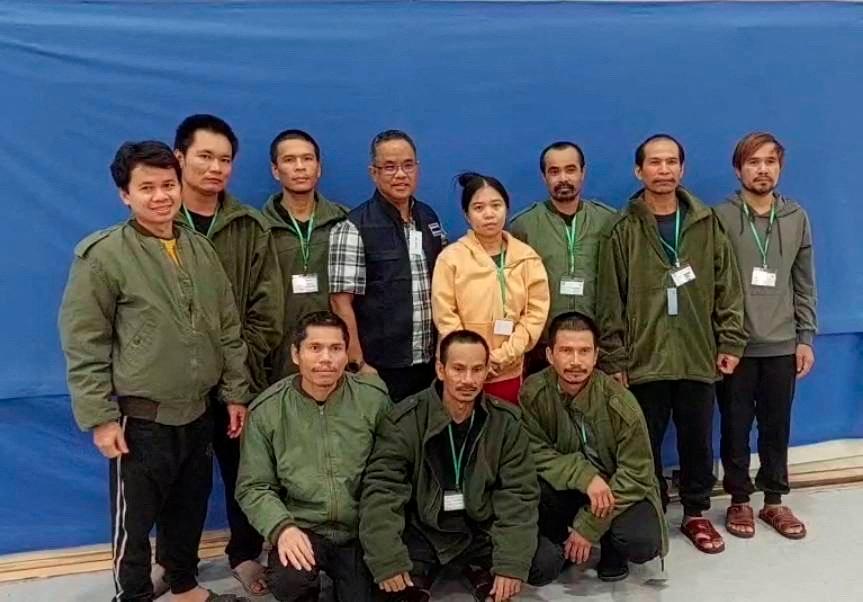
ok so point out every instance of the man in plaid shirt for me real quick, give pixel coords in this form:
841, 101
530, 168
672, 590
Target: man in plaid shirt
380, 265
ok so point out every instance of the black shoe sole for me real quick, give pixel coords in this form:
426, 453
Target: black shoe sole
612, 577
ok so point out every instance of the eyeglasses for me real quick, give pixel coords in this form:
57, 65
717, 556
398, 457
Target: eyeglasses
391, 169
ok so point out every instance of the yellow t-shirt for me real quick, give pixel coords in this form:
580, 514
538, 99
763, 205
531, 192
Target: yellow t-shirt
171, 249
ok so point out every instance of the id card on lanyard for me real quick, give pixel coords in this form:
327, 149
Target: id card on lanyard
304, 283
570, 284
504, 326
454, 500
762, 276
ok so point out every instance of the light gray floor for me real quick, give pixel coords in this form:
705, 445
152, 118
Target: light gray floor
825, 567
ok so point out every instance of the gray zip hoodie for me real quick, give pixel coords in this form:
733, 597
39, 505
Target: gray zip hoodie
777, 318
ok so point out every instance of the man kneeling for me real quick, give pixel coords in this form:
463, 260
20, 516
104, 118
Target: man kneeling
590, 445
301, 464
451, 481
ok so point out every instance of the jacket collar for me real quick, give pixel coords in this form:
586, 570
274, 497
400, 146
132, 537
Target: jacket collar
438, 418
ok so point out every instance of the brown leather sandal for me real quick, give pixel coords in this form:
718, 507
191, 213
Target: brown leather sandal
739, 517
700, 532
783, 520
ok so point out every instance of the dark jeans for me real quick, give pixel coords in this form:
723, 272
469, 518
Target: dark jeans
245, 543
545, 566
635, 535
761, 388
343, 564
690, 403
166, 477
404, 382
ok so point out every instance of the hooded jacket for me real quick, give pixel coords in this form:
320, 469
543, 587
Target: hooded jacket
779, 317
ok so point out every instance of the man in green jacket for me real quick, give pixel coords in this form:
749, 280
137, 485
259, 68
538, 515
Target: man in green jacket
150, 333
303, 455
301, 219
451, 481
564, 230
592, 452
206, 147
670, 309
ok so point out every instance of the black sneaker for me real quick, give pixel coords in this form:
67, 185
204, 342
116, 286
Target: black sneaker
612, 565
481, 582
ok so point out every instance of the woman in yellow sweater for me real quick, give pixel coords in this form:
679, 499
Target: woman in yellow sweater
493, 284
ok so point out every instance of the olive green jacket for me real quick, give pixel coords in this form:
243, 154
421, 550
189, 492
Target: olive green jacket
638, 336
599, 432
132, 323
301, 463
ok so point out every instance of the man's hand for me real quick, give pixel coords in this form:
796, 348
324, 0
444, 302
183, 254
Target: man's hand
368, 370
621, 378
576, 548
295, 547
110, 440
601, 498
726, 363
504, 588
237, 414
805, 359
398, 583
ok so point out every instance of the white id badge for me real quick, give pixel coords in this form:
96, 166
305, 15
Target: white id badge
682, 275
304, 283
671, 293
572, 286
453, 501
503, 327
763, 277
415, 242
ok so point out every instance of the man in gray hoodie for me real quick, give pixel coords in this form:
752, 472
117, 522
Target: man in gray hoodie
773, 243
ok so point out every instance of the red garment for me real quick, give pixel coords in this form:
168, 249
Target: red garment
505, 389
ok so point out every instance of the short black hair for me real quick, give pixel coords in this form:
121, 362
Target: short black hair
471, 182
461, 336
151, 153
639, 152
319, 318
560, 145
292, 135
574, 321
387, 136
202, 121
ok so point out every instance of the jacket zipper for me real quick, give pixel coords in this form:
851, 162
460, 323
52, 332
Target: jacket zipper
334, 508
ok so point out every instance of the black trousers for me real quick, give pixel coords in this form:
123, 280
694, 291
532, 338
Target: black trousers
635, 535
342, 563
166, 477
404, 382
690, 403
545, 566
761, 388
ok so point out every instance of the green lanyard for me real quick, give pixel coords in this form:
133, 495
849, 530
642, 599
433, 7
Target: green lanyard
766, 245
501, 278
305, 243
571, 233
676, 238
192, 222
456, 460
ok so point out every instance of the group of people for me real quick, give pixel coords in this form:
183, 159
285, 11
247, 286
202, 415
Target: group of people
382, 403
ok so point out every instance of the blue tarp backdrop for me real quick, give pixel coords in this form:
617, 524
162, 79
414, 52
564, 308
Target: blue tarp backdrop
480, 85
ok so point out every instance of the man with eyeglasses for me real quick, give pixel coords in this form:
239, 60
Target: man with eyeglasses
380, 265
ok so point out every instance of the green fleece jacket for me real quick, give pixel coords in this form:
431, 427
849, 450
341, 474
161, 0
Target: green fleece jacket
599, 432
247, 251
301, 463
133, 323
327, 215
779, 317
402, 484
544, 229
639, 336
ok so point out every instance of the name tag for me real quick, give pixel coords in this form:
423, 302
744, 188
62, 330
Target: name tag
572, 286
671, 293
453, 501
415, 243
304, 283
763, 277
682, 275
503, 327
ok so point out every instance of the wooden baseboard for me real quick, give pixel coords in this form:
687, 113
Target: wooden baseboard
55, 563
